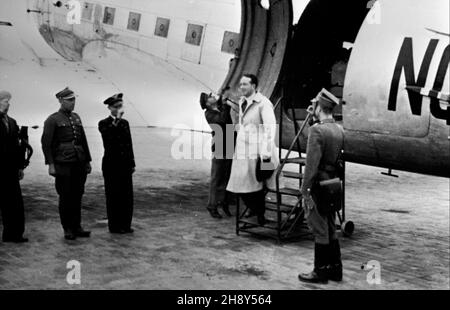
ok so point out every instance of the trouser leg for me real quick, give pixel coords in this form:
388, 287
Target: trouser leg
112, 192
213, 185
255, 201
13, 215
332, 235
220, 174
79, 177
224, 181
319, 225
128, 200
63, 184
19, 212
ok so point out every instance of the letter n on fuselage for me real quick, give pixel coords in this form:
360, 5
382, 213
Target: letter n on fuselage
405, 62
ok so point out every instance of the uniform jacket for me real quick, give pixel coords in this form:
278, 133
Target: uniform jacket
11, 155
256, 131
221, 118
325, 142
64, 139
117, 143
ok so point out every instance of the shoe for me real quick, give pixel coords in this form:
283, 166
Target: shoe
321, 262
315, 276
214, 213
82, 233
226, 210
250, 213
16, 240
261, 220
117, 231
69, 235
128, 230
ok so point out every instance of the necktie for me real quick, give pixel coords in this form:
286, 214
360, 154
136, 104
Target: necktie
244, 106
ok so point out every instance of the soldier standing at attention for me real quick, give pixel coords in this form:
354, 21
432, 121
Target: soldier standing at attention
12, 165
325, 143
68, 158
118, 167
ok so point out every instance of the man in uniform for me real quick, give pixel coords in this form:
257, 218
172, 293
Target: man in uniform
68, 158
118, 167
325, 143
218, 117
12, 162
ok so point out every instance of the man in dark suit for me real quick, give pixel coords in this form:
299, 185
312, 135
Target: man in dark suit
118, 166
12, 162
218, 116
325, 143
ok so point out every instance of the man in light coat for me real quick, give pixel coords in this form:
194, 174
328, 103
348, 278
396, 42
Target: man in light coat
256, 126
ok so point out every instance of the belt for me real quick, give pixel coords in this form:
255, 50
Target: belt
73, 142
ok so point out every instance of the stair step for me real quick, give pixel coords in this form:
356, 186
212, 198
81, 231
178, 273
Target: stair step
292, 175
287, 191
296, 160
271, 224
272, 205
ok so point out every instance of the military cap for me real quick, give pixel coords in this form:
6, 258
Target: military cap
65, 94
326, 99
113, 99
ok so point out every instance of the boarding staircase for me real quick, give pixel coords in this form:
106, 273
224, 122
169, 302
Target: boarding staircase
284, 212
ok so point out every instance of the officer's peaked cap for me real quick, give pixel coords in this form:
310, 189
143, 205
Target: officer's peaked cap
327, 99
65, 94
113, 99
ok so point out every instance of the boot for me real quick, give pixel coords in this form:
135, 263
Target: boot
319, 274
261, 220
69, 234
80, 232
226, 209
335, 266
214, 213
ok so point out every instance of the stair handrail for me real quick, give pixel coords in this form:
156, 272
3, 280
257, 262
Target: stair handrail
291, 147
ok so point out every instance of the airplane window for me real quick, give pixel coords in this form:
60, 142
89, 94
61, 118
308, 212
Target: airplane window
108, 17
134, 20
162, 27
88, 8
230, 42
194, 34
